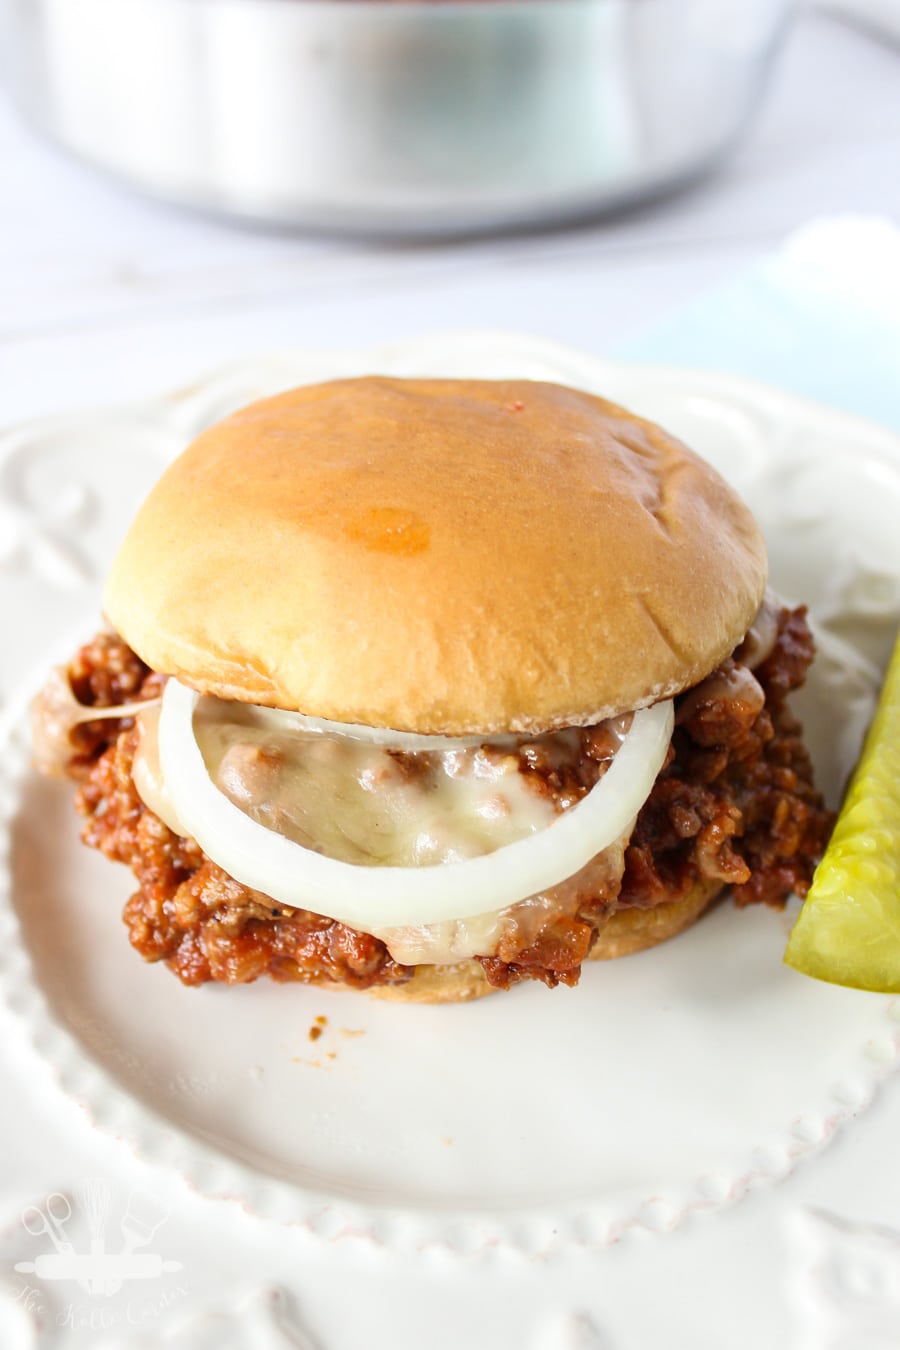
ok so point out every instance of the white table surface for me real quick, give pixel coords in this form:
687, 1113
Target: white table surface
105, 296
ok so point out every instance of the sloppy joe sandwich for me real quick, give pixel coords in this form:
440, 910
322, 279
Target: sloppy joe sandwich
429, 687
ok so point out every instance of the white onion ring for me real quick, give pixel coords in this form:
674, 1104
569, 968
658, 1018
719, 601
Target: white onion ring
367, 897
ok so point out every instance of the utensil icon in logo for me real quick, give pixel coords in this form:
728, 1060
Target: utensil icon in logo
49, 1221
97, 1271
37, 1221
145, 1213
94, 1201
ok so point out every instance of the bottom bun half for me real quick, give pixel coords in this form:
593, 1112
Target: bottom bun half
628, 931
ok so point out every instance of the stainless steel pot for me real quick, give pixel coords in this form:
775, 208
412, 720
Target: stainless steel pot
411, 117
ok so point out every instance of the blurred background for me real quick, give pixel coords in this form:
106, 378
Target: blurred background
187, 182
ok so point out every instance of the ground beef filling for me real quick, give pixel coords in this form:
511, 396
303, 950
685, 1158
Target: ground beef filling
734, 801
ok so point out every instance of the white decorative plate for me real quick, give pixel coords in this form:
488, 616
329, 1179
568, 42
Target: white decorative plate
669, 1082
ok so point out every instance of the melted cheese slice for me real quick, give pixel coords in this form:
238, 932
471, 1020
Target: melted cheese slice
362, 803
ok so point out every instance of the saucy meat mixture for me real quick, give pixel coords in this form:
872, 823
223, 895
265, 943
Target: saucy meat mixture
734, 801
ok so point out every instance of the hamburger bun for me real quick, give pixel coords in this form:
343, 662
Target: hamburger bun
450, 557
439, 556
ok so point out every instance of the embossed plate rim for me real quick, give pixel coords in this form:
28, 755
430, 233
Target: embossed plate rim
114, 1110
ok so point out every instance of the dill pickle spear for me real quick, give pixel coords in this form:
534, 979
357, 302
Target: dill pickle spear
848, 930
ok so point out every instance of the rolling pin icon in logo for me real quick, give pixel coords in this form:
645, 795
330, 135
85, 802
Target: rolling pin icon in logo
99, 1272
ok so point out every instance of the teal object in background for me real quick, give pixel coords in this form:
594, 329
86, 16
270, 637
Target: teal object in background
821, 318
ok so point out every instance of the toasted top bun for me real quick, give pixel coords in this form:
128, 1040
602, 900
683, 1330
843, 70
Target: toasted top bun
441, 556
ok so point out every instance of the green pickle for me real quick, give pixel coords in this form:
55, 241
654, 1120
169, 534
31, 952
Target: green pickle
848, 930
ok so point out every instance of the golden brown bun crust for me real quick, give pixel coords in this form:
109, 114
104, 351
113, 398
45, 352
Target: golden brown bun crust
628, 931
439, 556
633, 930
